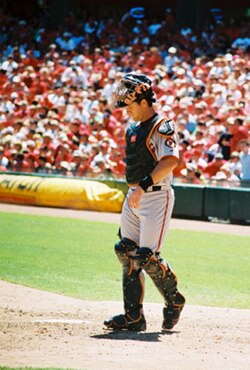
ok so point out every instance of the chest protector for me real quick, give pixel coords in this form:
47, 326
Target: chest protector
139, 160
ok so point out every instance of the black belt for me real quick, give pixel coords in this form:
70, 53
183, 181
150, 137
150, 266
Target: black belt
157, 188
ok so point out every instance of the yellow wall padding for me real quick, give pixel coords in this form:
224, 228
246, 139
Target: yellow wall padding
60, 192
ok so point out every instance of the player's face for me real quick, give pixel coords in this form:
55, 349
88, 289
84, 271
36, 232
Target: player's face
135, 111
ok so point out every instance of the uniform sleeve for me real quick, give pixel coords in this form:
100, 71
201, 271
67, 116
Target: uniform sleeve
163, 145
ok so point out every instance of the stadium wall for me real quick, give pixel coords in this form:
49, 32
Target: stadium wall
192, 201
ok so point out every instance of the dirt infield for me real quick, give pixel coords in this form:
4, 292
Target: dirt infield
41, 329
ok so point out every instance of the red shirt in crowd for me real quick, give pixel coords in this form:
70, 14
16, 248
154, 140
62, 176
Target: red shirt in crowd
213, 167
239, 134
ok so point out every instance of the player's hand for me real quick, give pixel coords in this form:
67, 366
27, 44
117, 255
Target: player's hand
135, 197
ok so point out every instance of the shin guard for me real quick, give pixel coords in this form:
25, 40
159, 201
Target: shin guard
133, 279
133, 292
163, 277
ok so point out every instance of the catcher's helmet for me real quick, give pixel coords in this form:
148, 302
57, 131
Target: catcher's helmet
133, 87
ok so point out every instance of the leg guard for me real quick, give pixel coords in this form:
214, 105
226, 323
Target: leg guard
132, 278
159, 271
166, 282
133, 290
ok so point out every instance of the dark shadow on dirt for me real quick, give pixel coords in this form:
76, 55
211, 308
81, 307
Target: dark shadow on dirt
133, 335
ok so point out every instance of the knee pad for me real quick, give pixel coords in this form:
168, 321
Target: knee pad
142, 256
124, 246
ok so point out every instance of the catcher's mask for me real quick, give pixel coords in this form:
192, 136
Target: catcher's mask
133, 87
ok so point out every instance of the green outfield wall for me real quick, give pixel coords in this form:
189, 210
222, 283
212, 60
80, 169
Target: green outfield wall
206, 202
209, 203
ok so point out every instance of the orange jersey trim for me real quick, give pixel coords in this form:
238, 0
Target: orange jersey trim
141, 279
149, 137
163, 222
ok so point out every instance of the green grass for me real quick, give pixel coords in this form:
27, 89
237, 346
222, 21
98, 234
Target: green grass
76, 258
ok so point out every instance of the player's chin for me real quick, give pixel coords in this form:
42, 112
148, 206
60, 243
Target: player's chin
131, 115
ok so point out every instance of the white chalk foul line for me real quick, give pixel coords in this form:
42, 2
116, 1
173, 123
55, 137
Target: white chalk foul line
61, 321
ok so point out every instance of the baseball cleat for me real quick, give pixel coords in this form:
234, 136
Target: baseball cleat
123, 322
171, 313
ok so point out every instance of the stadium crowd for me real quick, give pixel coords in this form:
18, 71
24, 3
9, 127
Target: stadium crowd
56, 88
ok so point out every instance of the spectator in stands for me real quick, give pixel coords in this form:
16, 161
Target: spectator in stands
3, 160
62, 154
64, 168
74, 75
47, 87
244, 146
237, 130
234, 164
214, 166
84, 144
19, 164
9, 66
30, 159
170, 60
224, 177
100, 169
191, 174
117, 164
242, 42
80, 164
65, 41
224, 143
41, 165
